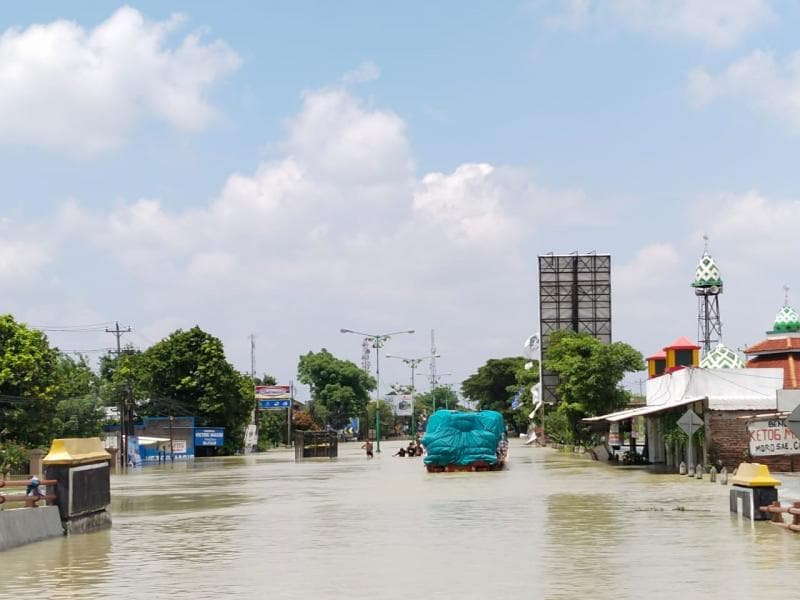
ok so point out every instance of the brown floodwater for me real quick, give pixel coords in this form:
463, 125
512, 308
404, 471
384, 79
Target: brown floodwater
550, 526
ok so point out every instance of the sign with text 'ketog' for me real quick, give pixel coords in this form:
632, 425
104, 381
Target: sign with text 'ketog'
273, 397
771, 437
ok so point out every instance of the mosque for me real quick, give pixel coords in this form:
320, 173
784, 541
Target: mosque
742, 406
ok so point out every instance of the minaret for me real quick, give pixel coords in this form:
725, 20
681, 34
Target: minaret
707, 286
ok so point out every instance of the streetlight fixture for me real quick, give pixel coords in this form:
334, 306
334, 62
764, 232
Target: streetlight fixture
378, 340
413, 363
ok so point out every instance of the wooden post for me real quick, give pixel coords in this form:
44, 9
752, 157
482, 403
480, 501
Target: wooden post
777, 516
796, 517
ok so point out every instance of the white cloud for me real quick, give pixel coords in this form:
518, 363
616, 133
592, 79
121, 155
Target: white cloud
647, 269
717, 23
68, 88
337, 227
366, 71
753, 227
340, 139
467, 205
20, 260
768, 85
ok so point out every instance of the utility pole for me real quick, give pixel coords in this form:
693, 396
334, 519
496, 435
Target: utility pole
122, 446
251, 432
253, 357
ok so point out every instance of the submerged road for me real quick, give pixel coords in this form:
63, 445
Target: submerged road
551, 526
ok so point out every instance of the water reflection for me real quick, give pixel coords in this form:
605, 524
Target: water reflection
551, 526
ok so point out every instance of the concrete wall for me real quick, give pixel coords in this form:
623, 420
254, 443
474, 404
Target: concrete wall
25, 525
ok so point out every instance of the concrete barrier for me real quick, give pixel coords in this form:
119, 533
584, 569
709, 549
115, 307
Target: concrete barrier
25, 525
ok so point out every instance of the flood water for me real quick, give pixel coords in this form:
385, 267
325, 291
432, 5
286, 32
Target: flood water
550, 526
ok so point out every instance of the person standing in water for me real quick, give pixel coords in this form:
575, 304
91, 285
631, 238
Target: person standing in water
368, 447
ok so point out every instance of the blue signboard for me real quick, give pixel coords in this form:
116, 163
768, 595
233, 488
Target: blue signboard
209, 436
268, 404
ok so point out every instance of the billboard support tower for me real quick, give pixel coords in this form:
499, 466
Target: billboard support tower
574, 295
707, 286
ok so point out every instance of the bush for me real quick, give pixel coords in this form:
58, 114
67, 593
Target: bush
12, 457
557, 427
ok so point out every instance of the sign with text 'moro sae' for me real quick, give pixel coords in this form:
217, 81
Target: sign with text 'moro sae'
770, 437
273, 397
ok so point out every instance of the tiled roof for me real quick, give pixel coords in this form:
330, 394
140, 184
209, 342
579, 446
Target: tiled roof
658, 356
682, 344
788, 364
775, 345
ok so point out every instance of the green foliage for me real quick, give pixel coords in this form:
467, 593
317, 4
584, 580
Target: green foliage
589, 373
386, 417
13, 456
79, 417
265, 380
496, 384
271, 427
339, 388
439, 397
188, 369
29, 380
558, 427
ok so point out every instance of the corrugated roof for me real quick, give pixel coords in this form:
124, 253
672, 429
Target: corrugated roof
644, 410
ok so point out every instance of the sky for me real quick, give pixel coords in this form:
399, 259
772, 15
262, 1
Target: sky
289, 169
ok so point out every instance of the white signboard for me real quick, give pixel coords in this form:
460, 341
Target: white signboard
401, 404
772, 437
178, 446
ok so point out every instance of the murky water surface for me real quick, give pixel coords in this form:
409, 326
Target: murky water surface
551, 526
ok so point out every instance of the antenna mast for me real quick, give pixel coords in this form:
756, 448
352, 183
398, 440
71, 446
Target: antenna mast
433, 377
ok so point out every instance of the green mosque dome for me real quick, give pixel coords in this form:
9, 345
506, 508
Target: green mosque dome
722, 357
787, 320
707, 273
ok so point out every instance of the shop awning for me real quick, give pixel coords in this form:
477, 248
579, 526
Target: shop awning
146, 440
622, 415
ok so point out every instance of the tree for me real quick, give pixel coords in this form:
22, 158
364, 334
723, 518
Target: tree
79, 417
189, 369
76, 379
29, 384
339, 388
589, 374
497, 385
387, 417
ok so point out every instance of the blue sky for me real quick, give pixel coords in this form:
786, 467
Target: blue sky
289, 168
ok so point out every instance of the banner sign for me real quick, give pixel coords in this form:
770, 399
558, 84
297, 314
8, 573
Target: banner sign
273, 392
401, 404
772, 437
274, 404
208, 436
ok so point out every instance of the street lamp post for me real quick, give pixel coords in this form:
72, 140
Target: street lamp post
378, 340
413, 363
436, 381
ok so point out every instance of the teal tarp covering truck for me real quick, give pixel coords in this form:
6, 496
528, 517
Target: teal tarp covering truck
464, 438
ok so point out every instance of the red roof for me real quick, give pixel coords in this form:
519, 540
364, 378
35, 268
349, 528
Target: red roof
787, 363
682, 344
661, 355
775, 346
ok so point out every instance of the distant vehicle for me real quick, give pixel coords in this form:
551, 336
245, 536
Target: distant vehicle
465, 441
